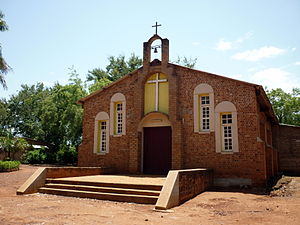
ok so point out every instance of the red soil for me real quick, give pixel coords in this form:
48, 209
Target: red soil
212, 207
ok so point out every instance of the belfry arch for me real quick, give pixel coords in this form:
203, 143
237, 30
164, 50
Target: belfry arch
148, 48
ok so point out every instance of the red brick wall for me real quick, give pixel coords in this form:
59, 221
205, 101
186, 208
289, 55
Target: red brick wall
57, 172
193, 182
189, 149
199, 149
287, 142
118, 155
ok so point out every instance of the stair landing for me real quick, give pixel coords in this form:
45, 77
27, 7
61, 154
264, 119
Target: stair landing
126, 188
125, 179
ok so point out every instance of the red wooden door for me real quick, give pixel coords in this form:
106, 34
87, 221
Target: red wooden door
157, 150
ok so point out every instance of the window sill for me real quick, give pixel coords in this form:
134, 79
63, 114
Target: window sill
203, 132
227, 153
100, 153
117, 135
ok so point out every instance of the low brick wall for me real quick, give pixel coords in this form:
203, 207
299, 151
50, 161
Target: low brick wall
193, 182
38, 179
58, 172
287, 142
182, 185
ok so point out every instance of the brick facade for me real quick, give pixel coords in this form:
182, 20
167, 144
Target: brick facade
287, 141
189, 149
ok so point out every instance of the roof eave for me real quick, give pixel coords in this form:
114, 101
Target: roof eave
265, 104
82, 100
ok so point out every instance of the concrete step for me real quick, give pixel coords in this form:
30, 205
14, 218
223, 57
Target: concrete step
144, 199
103, 189
152, 187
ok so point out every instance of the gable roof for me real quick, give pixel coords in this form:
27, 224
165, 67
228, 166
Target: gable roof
82, 100
215, 75
262, 98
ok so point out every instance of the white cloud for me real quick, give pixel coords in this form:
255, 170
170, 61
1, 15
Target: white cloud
273, 78
245, 37
252, 69
297, 63
224, 45
257, 54
293, 49
195, 43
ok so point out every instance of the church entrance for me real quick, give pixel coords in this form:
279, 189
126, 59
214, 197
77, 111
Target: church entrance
157, 157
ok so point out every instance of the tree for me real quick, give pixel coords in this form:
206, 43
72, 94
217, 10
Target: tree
99, 84
4, 67
190, 63
49, 115
12, 145
117, 68
24, 111
61, 116
3, 117
97, 74
286, 105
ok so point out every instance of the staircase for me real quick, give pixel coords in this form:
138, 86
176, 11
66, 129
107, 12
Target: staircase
114, 191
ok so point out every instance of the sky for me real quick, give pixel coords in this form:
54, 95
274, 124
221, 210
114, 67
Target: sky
257, 41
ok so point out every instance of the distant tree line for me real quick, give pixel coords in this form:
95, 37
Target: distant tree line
286, 105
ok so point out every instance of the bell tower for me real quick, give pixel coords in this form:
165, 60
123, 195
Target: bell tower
151, 48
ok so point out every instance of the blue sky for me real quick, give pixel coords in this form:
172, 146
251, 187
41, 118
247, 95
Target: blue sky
256, 41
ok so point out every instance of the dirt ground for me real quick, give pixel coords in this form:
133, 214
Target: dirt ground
212, 207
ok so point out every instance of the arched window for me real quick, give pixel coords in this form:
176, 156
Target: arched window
118, 114
203, 108
226, 127
156, 97
101, 133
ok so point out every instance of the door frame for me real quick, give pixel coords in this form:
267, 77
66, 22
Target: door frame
169, 149
153, 119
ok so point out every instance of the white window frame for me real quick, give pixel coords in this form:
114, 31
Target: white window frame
103, 136
203, 90
118, 118
204, 112
115, 99
224, 108
226, 132
98, 133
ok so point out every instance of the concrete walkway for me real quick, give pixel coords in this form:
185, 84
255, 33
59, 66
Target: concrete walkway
126, 179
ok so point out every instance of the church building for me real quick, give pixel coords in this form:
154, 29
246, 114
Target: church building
165, 117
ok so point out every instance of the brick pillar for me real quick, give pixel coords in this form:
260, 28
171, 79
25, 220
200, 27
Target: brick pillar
175, 119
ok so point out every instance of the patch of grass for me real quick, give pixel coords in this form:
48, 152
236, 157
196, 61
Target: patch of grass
6, 166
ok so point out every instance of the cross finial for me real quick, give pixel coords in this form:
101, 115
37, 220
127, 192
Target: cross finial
156, 25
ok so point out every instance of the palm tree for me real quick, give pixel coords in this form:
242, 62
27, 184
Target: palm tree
10, 146
4, 67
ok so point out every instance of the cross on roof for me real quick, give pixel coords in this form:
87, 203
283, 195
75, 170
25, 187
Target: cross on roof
156, 25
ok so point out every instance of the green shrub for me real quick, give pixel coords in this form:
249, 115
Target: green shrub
10, 145
66, 155
9, 165
50, 157
36, 156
